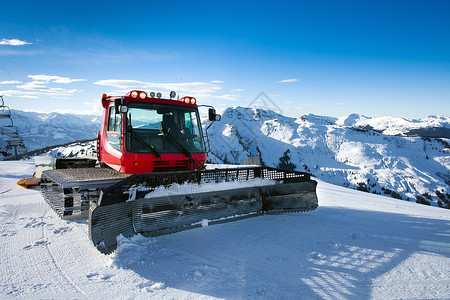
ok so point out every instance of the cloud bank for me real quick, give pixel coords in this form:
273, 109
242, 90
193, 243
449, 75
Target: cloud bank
13, 42
288, 80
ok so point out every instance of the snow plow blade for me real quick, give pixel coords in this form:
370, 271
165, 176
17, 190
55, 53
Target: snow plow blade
126, 208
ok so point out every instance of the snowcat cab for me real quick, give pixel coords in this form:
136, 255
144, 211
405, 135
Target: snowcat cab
142, 133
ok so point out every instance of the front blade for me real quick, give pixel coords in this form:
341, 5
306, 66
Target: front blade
163, 215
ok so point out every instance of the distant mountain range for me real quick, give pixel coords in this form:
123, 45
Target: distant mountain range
40, 130
405, 158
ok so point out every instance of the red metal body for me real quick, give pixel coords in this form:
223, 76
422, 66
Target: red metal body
138, 163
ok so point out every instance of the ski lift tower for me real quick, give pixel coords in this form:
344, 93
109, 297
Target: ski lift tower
11, 133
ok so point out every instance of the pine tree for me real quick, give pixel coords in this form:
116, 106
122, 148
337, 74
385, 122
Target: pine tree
285, 162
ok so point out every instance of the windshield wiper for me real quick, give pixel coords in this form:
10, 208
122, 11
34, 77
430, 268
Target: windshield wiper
175, 142
143, 142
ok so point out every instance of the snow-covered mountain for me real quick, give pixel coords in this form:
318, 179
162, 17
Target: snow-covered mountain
39, 130
402, 157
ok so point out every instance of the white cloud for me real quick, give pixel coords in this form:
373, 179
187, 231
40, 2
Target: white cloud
55, 79
217, 81
288, 80
13, 42
10, 82
237, 90
28, 96
193, 88
39, 87
37, 93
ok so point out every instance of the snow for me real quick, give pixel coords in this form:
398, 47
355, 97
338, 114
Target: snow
410, 157
355, 245
189, 188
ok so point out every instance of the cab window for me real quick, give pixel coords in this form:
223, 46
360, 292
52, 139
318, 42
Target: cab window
114, 127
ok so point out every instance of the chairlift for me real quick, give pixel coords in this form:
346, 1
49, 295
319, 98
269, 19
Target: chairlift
5, 112
16, 142
9, 130
21, 149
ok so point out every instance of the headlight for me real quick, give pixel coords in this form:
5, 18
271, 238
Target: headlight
134, 94
142, 95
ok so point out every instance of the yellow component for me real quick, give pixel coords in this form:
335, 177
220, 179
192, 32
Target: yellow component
143, 95
134, 94
29, 182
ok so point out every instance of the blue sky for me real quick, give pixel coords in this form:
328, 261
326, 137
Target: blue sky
324, 57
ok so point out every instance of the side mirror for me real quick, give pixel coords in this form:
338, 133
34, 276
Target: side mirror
212, 116
120, 106
123, 109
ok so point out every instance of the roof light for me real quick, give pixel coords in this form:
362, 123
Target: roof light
104, 96
134, 94
172, 94
142, 95
152, 95
188, 100
158, 95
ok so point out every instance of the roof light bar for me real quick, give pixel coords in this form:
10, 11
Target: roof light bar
189, 100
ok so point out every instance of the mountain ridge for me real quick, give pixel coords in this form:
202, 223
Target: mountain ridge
342, 151
384, 155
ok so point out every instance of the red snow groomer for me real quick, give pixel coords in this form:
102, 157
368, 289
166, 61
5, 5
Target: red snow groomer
142, 134
146, 142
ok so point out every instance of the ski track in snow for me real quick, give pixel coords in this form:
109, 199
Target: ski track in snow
355, 245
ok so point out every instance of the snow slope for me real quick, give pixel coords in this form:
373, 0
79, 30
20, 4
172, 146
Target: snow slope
355, 245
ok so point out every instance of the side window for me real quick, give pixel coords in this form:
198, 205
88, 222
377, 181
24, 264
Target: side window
114, 126
187, 121
195, 124
114, 121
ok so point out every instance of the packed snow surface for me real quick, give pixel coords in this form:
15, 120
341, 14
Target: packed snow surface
354, 246
189, 188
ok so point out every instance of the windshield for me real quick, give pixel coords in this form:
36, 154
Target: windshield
154, 127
